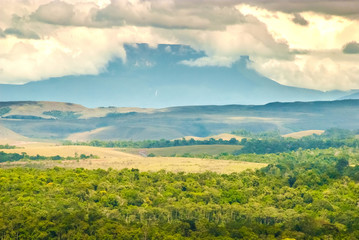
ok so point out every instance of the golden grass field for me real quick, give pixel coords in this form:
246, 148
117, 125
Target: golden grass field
304, 133
117, 159
224, 136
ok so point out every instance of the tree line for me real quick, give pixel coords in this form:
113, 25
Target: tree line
7, 146
259, 143
278, 145
154, 143
14, 157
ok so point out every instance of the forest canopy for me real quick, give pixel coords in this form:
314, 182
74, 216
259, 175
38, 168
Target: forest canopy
301, 195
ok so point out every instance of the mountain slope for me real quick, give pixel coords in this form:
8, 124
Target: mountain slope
7, 134
157, 78
351, 96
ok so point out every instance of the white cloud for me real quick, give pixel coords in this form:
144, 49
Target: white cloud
251, 38
322, 71
209, 61
68, 51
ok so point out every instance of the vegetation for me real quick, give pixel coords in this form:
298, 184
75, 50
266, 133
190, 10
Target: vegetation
117, 115
309, 190
62, 114
14, 157
27, 117
259, 135
4, 110
290, 144
7, 146
200, 150
351, 153
302, 195
154, 143
260, 143
331, 138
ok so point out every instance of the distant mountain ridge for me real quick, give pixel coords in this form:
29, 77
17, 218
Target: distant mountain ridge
54, 120
158, 78
351, 96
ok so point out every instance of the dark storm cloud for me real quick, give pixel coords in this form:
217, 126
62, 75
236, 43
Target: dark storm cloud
299, 19
20, 33
349, 8
351, 48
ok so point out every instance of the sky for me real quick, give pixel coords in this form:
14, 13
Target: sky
303, 43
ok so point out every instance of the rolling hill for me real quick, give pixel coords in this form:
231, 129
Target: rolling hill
52, 120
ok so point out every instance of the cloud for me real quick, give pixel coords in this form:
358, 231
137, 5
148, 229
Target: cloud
53, 38
169, 14
69, 51
347, 8
68, 14
2, 34
225, 47
161, 14
143, 63
209, 61
56, 12
299, 19
323, 65
80, 42
21, 33
351, 48
326, 33
322, 71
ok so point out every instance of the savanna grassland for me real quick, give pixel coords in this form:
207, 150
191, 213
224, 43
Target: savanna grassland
118, 159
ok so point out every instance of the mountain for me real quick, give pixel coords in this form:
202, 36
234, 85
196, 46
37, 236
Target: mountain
156, 77
351, 96
53, 120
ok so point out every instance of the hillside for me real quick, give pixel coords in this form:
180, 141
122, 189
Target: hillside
7, 134
351, 96
52, 120
301, 134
